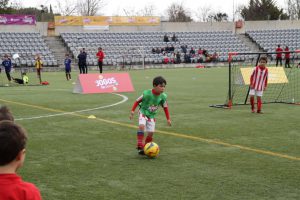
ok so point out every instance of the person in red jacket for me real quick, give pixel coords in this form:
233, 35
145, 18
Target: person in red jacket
287, 56
100, 55
279, 55
12, 155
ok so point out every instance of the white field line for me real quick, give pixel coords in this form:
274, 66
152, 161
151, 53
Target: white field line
125, 98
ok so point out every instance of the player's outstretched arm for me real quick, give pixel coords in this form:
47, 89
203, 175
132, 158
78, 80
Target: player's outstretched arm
131, 115
169, 122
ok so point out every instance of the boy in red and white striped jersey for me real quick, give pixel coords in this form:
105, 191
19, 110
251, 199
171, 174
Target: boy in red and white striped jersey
258, 83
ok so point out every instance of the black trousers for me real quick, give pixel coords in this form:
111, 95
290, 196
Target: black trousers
81, 69
278, 60
8, 75
287, 63
100, 63
85, 68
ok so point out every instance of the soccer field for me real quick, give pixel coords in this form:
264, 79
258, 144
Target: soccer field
208, 153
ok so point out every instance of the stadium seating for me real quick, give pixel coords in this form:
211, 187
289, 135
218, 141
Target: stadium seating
135, 47
27, 45
269, 39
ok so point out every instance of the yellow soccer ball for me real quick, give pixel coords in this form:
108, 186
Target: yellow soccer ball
151, 150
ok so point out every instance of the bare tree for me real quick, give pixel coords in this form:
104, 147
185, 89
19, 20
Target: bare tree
4, 4
293, 9
66, 7
203, 12
148, 10
177, 13
89, 7
16, 4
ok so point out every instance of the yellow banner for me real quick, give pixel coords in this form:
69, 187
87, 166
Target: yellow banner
95, 20
106, 20
68, 20
276, 75
134, 21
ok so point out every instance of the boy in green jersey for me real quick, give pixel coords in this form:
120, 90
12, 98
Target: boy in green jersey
149, 102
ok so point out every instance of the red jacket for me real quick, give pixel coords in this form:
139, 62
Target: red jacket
287, 55
14, 188
279, 54
100, 56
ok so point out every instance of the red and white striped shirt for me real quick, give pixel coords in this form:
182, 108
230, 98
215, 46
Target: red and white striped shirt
259, 78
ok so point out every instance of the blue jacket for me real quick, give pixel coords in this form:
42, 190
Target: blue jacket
7, 65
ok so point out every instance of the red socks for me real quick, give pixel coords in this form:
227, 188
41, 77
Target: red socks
140, 138
148, 139
258, 104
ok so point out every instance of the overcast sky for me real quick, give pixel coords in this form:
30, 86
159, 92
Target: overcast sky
117, 7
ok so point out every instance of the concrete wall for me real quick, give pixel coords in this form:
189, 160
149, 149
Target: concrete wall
164, 27
41, 27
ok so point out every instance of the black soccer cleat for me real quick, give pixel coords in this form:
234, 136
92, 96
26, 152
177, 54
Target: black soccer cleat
140, 151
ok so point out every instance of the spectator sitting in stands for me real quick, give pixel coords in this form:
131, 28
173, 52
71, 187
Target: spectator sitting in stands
178, 60
184, 48
165, 59
192, 51
167, 49
215, 57
153, 50
174, 38
200, 51
158, 51
193, 55
172, 58
205, 52
200, 58
187, 58
166, 38
172, 48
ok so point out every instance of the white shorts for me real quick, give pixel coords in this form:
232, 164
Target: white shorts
254, 92
147, 122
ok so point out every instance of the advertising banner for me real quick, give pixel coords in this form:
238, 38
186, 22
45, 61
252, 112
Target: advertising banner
105, 21
68, 20
17, 19
103, 83
134, 21
276, 75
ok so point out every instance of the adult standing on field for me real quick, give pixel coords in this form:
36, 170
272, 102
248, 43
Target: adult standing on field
100, 55
279, 55
287, 56
85, 69
81, 60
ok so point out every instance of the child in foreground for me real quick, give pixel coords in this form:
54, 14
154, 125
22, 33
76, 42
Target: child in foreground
149, 102
258, 83
12, 155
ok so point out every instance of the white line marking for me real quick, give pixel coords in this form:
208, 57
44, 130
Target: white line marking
125, 98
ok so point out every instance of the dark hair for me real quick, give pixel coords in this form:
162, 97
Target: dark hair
159, 80
264, 58
5, 114
12, 140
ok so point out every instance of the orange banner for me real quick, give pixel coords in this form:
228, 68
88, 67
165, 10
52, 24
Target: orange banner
68, 20
106, 20
134, 21
95, 20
